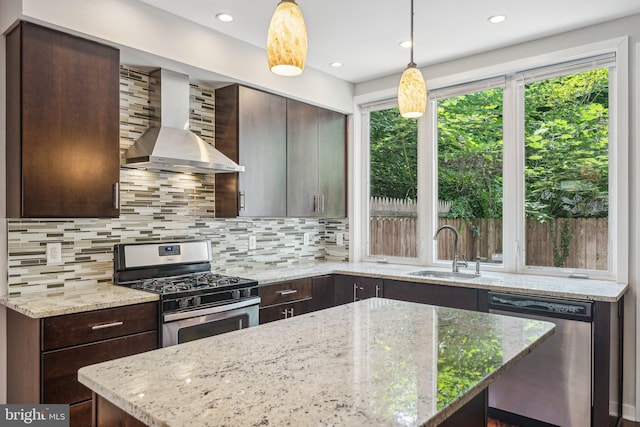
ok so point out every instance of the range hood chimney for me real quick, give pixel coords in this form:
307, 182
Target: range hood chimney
169, 144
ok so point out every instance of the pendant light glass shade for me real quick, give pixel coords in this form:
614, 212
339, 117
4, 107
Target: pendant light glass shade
412, 93
412, 90
287, 40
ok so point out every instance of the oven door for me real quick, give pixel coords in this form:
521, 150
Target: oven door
199, 323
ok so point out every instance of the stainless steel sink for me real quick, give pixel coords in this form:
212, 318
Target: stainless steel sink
445, 274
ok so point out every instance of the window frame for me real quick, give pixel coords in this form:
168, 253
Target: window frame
558, 70
432, 165
366, 174
513, 148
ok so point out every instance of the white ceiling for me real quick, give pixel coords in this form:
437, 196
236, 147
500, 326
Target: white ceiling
365, 34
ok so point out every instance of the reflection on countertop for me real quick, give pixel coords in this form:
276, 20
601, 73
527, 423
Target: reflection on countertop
373, 362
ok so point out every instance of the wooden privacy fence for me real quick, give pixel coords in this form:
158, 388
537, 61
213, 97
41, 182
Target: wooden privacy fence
393, 232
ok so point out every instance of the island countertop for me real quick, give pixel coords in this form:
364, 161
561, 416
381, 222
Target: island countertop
373, 362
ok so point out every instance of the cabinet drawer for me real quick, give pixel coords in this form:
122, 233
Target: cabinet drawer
82, 328
279, 293
285, 311
60, 368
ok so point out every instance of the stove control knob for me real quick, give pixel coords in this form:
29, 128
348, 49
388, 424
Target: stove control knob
246, 292
196, 301
235, 294
183, 302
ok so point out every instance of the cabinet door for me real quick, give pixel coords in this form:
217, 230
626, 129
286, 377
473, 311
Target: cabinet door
444, 296
332, 163
226, 129
323, 293
272, 313
302, 160
67, 145
263, 153
60, 367
353, 288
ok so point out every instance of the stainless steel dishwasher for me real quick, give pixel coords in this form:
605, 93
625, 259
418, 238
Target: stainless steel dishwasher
553, 383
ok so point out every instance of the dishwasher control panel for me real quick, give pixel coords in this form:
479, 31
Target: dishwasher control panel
543, 306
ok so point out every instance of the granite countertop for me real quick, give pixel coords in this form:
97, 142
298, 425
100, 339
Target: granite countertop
563, 287
93, 297
76, 299
374, 362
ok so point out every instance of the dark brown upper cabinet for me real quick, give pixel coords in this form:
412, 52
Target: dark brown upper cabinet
62, 125
316, 161
251, 128
294, 156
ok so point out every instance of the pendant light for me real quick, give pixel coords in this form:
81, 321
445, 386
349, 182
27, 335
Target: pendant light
287, 40
412, 91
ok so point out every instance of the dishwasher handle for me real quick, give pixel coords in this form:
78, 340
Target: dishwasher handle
543, 306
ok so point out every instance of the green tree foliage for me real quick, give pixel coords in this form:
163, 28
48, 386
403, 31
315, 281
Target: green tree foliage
566, 146
394, 155
470, 154
566, 150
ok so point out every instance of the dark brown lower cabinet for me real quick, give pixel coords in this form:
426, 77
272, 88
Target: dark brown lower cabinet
472, 414
285, 299
60, 367
80, 414
43, 360
294, 297
107, 414
284, 311
442, 295
323, 293
354, 288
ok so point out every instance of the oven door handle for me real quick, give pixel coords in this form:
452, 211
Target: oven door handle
211, 310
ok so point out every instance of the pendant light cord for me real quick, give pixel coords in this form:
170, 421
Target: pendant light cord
411, 63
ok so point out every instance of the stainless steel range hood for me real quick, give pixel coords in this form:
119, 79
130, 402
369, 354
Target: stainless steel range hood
169, 144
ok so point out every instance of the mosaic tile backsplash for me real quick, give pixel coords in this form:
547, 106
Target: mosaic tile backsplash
157, 205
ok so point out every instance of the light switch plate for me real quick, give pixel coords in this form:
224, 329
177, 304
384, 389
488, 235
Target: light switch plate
252, 242
54, 253
340, 239
306, 239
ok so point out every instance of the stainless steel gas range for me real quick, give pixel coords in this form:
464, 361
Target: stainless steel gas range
194, 302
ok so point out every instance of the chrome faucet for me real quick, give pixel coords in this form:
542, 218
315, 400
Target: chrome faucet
456, 262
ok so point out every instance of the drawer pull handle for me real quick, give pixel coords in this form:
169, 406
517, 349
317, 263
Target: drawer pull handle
106, 325
288, 292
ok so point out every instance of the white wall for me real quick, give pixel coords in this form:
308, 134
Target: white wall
496, 62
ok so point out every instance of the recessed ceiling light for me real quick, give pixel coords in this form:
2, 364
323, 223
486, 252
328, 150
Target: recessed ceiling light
406, 44
224, 17
336, 64
496, 19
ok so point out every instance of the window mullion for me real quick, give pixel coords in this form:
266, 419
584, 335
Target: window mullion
513, 208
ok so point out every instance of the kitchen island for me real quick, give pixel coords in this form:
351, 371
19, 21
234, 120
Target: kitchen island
373, 362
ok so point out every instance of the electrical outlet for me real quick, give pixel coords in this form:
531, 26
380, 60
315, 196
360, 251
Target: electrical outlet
252, 242
340, 239
306, 237
54, 253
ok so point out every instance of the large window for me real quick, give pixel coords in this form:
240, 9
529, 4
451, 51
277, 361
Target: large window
522, 165
393, 184
469, 156
566, 170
